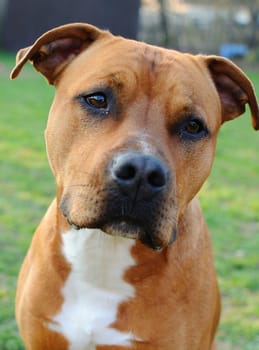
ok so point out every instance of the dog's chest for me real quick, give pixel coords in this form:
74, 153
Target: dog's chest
94, 289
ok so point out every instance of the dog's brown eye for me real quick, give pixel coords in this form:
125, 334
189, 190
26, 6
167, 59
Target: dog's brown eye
98, 101
193, 127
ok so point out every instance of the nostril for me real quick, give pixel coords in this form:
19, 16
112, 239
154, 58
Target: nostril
126, 172
157, 178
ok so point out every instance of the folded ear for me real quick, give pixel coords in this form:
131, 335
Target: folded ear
56, 48
234, 88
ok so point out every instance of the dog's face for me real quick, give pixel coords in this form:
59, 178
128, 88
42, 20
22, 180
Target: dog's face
115, 126
132, 130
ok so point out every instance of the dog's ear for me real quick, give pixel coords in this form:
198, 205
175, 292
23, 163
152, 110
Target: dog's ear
234, 88
51, 53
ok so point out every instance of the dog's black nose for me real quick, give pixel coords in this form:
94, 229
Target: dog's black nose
138, 173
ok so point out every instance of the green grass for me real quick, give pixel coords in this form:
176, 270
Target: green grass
26, 183
230, 199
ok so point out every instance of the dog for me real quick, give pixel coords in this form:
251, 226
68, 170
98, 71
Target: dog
123, 258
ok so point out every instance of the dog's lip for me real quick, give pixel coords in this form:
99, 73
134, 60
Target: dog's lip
125, 219
133, 229
128, 227
124, 226
125, 222
128, 221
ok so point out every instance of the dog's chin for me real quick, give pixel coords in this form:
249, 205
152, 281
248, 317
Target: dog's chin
124, 227
117, 227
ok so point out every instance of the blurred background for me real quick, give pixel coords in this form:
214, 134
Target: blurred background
227, 27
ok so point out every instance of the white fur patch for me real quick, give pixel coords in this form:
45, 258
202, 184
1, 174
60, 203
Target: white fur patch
94, 289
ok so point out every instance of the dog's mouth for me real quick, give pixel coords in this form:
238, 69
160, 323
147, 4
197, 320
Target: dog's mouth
134, 198
119, 226
131, 228
124, 226
152, 221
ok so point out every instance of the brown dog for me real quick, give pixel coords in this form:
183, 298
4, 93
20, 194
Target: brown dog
123, 259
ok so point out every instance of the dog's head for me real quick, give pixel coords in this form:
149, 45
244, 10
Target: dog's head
132, 130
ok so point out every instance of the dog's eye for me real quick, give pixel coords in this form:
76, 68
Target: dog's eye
97, 101
193, 129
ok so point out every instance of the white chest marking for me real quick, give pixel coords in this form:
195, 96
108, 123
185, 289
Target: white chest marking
94, 289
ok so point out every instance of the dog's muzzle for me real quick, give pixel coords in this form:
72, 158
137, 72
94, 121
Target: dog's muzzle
138, 184
136, 200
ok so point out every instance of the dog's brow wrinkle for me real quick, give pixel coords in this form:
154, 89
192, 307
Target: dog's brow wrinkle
154, 57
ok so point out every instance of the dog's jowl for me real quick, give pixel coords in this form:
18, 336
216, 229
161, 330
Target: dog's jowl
123, 259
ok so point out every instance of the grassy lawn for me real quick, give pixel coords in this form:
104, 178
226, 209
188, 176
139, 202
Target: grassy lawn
230, 199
